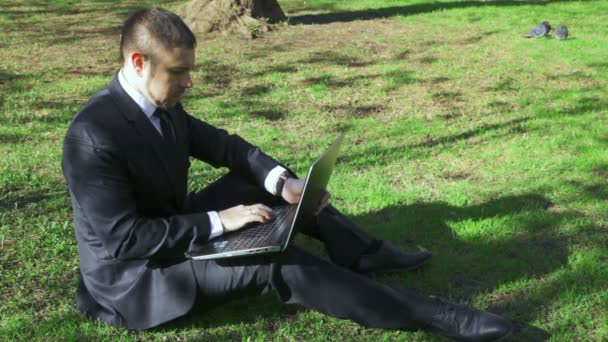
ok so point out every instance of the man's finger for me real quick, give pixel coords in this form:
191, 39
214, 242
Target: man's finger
324, 202
325, 198
261, 208
265, 211
256, 217
265, 208
260, 212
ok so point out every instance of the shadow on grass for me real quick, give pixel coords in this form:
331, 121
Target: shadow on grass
462, 268
59, 23
11, 81
7, 76
383, 155
519, 243
467, 264
33, 112
335, 58
18, 10
584, 105
276, 68
72, 36
11, 138
10, 201
386, 12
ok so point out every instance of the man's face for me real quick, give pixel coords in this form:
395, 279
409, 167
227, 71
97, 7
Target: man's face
167, 76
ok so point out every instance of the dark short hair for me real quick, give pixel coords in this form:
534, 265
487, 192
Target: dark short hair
151, 28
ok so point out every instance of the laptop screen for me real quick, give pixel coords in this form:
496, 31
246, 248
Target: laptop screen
316, 182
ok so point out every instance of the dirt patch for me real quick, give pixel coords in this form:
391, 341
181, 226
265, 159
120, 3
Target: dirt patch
438, 80
322, 44
456, 175
256, 90
428, 60
349, 111
447, 97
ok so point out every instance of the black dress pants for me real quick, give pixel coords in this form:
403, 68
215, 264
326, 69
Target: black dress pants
299, 277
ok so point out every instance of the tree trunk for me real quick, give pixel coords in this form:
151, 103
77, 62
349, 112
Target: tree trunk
245, 17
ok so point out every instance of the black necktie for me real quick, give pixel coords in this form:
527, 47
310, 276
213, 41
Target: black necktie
165, 124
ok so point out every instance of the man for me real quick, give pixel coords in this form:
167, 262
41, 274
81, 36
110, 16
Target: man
126, 159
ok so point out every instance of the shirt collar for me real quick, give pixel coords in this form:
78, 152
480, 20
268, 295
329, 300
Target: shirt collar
142, 102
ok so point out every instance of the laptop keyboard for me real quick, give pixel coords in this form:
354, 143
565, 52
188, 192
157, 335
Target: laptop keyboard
256, 235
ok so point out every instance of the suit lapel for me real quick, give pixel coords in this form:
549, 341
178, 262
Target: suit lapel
170, 155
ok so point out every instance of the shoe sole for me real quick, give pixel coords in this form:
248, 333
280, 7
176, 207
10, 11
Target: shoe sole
502, 338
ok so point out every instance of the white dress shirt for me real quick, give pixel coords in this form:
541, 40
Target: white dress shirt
148, 108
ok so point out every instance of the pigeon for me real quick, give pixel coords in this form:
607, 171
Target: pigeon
561, 33
539, 30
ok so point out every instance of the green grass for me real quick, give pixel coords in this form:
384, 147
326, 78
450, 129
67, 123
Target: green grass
463, 138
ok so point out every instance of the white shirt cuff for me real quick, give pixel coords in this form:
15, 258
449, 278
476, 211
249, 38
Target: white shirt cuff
216, 224
270, 183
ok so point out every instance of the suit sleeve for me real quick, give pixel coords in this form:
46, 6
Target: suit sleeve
101, 187
218, 148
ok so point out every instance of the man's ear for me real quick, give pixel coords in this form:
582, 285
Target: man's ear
138, 61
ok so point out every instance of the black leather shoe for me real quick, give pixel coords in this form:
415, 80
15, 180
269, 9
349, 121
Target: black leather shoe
390, 258
467, 324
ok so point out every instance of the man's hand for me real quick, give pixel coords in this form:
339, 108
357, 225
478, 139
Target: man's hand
237, 217
292, 191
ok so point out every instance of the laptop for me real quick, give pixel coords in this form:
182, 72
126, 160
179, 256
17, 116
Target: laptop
275, 235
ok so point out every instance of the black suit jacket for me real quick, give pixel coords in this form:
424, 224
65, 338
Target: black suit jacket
133, 222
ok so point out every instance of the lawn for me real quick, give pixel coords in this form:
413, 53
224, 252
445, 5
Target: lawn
463, 138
